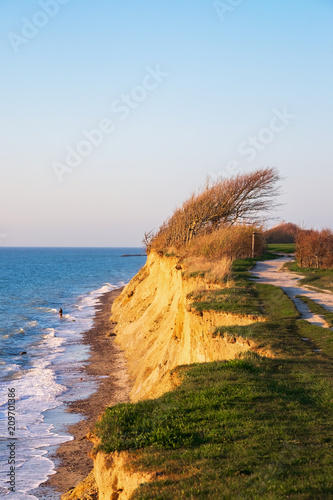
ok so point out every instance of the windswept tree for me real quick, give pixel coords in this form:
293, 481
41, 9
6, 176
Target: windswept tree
244, 199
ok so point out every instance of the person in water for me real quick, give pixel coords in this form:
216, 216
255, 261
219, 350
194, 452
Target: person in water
60, 312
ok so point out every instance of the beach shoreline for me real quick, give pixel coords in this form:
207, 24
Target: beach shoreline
107, 366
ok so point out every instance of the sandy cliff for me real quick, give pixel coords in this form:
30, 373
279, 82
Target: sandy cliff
158, 330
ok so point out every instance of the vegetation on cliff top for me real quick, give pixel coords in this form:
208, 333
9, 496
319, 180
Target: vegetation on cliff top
248, 428
240, 201
219, 222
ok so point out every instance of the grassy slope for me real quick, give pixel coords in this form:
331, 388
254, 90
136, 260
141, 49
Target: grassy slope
248, 428
239, 299
321, 279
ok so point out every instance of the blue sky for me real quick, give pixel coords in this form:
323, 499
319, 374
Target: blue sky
180, 88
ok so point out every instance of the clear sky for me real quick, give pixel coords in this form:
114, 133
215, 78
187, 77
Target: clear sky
114, 111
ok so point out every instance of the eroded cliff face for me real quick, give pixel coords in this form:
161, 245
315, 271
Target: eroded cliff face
111, 479
114, 479
158, 330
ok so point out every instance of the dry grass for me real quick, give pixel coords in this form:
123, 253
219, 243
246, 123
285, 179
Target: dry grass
243, 199
214, 271
233, 243
211, 255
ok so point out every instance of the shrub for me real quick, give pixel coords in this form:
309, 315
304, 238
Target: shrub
314, 248
234, 243
283, 233
243, 199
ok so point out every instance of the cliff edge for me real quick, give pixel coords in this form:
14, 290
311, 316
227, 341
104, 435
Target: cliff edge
158, 330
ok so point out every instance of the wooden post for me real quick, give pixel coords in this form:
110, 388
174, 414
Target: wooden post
253, 243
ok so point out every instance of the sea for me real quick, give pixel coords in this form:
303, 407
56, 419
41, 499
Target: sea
41, 354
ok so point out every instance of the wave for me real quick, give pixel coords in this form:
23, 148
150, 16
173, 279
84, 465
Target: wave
9, 371
37, 391
32, 324
47, 380
51, 332
69, 317
93, 298
49, 374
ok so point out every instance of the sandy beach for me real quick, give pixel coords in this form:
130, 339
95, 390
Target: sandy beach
72, 459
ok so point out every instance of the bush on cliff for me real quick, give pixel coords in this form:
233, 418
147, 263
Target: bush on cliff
239, 205
248, 428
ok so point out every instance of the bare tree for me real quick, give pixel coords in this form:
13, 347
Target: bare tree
243, 199
148, 239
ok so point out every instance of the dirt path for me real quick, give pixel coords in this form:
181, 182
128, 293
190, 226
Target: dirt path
269, 272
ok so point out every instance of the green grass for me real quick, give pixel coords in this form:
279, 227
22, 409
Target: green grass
247, 428
282, 247
276, 303
241, 299
241, 267
321, 279
316, 308
278, 335
236, 300
251, 428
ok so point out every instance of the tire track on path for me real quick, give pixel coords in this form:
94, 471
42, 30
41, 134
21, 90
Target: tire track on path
271, 273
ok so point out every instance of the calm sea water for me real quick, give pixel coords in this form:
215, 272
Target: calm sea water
34, 284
